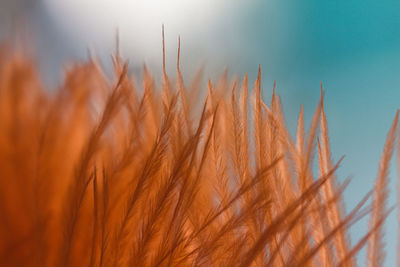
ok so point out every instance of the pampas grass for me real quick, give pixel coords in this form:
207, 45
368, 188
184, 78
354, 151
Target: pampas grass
103, 172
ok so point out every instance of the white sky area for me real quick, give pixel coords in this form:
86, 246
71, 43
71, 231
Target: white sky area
95, 23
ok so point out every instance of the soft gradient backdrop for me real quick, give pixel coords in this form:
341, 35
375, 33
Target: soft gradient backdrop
352, 46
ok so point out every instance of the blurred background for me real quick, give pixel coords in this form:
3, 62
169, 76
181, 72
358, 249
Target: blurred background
352, 46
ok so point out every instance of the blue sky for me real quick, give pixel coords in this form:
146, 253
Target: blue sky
352, 46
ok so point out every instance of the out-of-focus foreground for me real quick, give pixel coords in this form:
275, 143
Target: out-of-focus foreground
107, 172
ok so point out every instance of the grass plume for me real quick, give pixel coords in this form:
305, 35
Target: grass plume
102, 172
